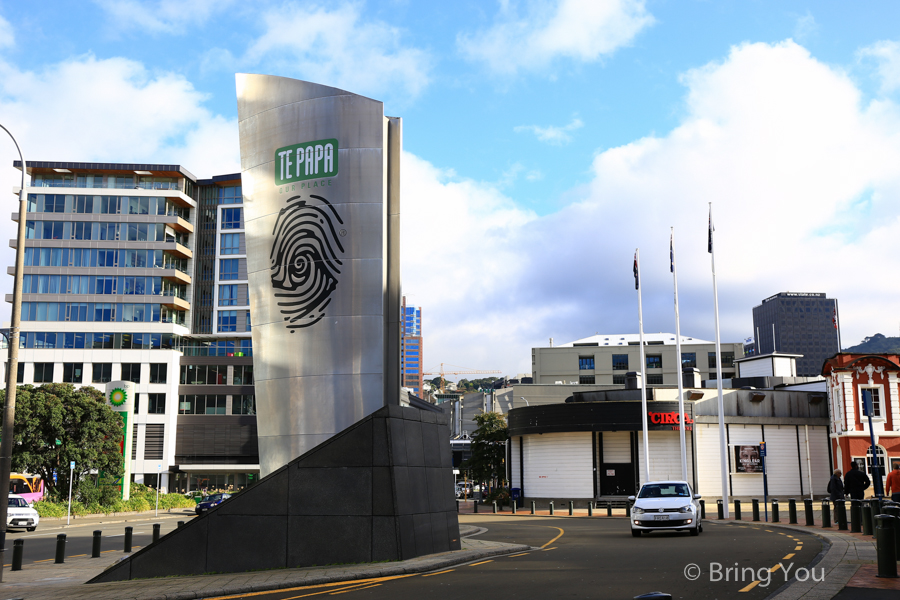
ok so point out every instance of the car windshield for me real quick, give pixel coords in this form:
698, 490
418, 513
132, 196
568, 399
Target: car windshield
214, 498
18, 503
665, 490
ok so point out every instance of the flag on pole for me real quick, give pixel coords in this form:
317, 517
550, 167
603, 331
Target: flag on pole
671, 253
711, 229
636, 278
834, 317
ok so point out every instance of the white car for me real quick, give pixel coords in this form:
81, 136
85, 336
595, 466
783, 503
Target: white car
665, 505
21, 514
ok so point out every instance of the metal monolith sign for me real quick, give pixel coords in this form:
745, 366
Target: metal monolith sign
320, 178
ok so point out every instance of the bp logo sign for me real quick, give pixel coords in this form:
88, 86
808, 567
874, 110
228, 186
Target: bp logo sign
118, 397
309, 160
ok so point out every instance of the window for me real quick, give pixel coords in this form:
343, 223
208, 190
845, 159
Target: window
228, 295
131, 372
231, 218
727, 360
227, 320
228, 269
230, 195
200, 404
231, 243
620, 362
654, 361
618, 380
243, 375
43, 372
689, 359
863, 392
73, 372
203, 374
712, 360
585, 363
583, 379
654, 379
243, 405
158, 372
879, 463
102, 373
156, 404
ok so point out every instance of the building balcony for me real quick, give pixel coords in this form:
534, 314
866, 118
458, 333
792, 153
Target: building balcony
178, 250
176, 303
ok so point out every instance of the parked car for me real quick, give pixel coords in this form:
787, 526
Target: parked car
21, 514
463, 490
209, 501
665, 505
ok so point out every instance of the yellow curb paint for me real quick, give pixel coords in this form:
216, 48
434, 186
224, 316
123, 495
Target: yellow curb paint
775, 568
515, 555
77, 555
561, 532
788, 557
798, 548
105, 551
321, 585
439, 573
749, 587
353, 589
45, 560
484, 562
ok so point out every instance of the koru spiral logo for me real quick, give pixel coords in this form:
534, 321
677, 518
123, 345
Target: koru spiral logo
305, 259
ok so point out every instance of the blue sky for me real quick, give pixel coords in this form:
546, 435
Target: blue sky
544, 142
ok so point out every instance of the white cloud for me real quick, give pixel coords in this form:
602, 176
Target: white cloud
340, 47
162, 16
806, 27
7, 38
886, 56
802, 175
530, 37
551, 134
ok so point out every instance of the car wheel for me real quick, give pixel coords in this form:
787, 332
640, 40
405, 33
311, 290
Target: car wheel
696, 530
31, 528
635, 533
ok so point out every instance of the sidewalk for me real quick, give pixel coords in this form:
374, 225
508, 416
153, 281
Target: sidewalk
51, 582
123, 517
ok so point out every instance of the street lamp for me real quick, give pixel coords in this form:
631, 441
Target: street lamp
12, 368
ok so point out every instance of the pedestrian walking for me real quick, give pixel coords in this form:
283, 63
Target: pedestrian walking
836, 486
856, 482
892, 485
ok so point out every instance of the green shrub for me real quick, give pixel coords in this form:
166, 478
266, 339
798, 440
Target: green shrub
46, 508
138, 504
116, 506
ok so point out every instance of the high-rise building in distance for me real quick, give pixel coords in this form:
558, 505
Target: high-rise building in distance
411, 351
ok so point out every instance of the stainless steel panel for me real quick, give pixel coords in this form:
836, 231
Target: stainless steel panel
392, 325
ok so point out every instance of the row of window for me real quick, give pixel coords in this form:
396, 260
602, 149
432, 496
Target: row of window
231, 218
132, 372
620, 379
230, 243
228, 321
105, 205
654, 361
215, 404
91, 284
100, 311
103, 231
90, 340
230, 195
102, 257
215, 375
241, 347
103, 181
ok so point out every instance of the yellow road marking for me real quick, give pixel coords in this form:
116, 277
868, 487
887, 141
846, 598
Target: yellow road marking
775, 568
553, 548
484, 562
77, 555
769, 530
105, 551
788, 557
353, 589
798, 548
321, 585
45, 560
749, 587
515, 555
561, 532
439, 573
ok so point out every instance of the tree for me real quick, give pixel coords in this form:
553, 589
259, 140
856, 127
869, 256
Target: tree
89, 432
488, 449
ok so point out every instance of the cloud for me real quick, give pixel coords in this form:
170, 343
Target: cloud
886, 58
340, 47
160, 17
7, 38
806, 27
552, 135
532, 36
803, 180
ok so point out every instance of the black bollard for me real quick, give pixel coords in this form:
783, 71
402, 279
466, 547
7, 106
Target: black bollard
628, 510
532, 507
551, 507
866, 519
855, 517
884, 546
590, 509
571, 508
737, 510
702, 509
792, 511
514, 507
609, 509
181, 523
60, 549
874, 511
18, 553
894, 511
95, 544
721, 508
826, 514
128, 533
495, 507
156, 527
775, 517
808, 509
840, 514
475, 504
756, 509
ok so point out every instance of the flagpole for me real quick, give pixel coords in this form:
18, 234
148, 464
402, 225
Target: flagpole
680, 368
723, 449
637, 263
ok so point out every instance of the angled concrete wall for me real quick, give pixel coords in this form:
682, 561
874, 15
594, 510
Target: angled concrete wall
380, 490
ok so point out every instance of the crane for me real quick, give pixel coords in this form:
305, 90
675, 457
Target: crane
463, 371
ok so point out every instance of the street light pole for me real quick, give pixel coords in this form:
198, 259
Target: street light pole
12, 369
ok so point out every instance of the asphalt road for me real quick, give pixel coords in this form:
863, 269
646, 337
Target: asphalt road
598, 558
40, 545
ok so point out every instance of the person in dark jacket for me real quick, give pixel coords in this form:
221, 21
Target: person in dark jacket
836, 486
856, 482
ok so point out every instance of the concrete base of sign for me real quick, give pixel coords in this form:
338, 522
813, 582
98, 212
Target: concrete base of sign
380, 490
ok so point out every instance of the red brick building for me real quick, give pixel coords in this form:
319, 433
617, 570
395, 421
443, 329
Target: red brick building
848, 375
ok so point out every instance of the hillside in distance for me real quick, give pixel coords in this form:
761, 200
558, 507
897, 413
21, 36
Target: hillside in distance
877, 344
